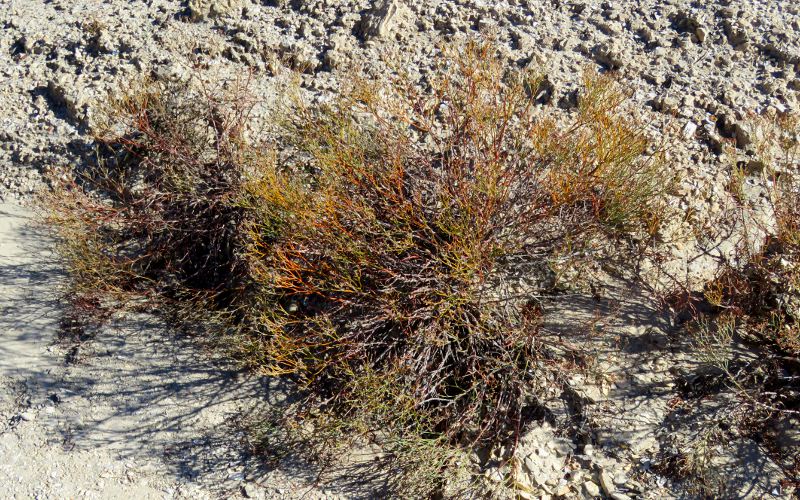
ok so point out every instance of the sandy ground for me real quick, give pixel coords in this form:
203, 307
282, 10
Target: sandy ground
133, 413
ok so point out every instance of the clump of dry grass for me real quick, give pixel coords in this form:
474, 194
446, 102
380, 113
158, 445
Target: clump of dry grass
386, 270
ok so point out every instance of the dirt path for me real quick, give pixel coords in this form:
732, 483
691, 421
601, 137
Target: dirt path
133, 413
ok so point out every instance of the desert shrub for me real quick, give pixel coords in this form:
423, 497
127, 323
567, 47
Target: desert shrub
398, 276
393, 264
158, 208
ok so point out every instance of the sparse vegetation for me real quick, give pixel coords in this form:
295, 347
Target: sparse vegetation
757, 297
393, 266
747, 327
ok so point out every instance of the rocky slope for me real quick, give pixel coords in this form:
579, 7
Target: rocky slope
708, 65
